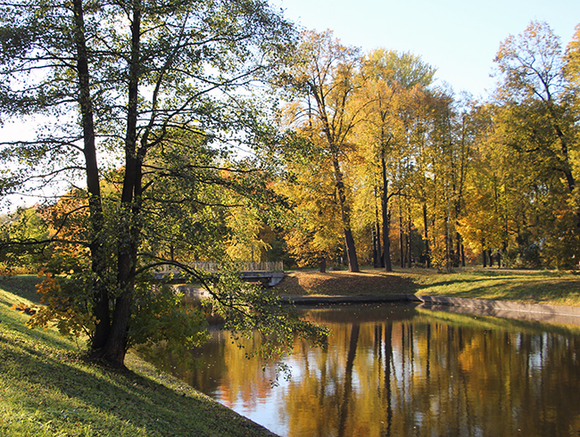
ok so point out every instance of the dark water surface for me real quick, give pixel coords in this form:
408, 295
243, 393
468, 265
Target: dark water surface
404, 371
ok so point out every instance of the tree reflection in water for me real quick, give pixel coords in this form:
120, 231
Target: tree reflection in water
402, 371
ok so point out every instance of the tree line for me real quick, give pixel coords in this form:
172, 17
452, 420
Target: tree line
382, 164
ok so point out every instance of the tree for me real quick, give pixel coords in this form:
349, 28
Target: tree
391, 82
538, 123
24, 225
531, 65
323, 79
157, 89
572, 66
313, 234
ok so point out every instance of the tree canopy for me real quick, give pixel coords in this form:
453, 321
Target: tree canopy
428, 177
142, 106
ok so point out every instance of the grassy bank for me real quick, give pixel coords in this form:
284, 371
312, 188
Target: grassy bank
546, 287
47, 389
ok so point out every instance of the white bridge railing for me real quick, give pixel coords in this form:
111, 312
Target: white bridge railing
215, 267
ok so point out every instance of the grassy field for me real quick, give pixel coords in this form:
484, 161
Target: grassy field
546, 287
47, 389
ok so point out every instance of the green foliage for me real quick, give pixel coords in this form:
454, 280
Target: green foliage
535, 122
161, 323
163, 91
21, 236
157, 318
250, 310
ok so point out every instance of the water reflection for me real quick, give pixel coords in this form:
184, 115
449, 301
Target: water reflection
403, 371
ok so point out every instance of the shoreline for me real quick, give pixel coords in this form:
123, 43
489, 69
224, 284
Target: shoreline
482, 307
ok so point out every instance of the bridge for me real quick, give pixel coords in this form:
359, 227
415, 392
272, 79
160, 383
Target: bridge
269, 273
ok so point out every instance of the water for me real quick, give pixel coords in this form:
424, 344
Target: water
404, 371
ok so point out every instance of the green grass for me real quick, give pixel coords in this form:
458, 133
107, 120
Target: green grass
48, 389
546, 287
22, 286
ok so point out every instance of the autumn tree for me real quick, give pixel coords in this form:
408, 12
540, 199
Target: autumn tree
391, 83
323, 81
313, 234
537, 120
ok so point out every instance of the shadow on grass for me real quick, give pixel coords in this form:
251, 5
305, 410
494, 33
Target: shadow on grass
72, 393
22, 285
557, 288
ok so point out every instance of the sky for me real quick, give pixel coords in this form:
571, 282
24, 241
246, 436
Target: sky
458, 37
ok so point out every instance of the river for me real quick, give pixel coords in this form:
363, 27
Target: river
400, 370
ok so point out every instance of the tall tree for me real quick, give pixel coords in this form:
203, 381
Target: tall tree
133, 82
537, 121
531, 65
323, 78
391, 82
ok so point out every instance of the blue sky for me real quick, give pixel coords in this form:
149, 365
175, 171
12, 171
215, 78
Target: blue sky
458, 37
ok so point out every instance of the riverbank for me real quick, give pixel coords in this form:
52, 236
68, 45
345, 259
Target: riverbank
47, 389
530, 287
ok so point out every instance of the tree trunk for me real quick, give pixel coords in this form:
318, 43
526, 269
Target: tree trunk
345, 217
426, 236
377, 257
386, 218
98, 257
409, 240
459, 248
128, 242
483, 254
378, 260
323, 265
401, 236
350, 251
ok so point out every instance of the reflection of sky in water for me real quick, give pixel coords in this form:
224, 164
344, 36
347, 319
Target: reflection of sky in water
266, 412
263, 408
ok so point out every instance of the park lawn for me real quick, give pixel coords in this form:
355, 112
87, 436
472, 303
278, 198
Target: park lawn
543, 286
48, 389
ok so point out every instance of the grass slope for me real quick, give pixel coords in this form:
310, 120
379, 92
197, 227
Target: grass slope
546, 287
47, 389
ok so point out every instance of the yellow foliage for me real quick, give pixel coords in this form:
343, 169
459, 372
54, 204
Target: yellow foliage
61, 310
